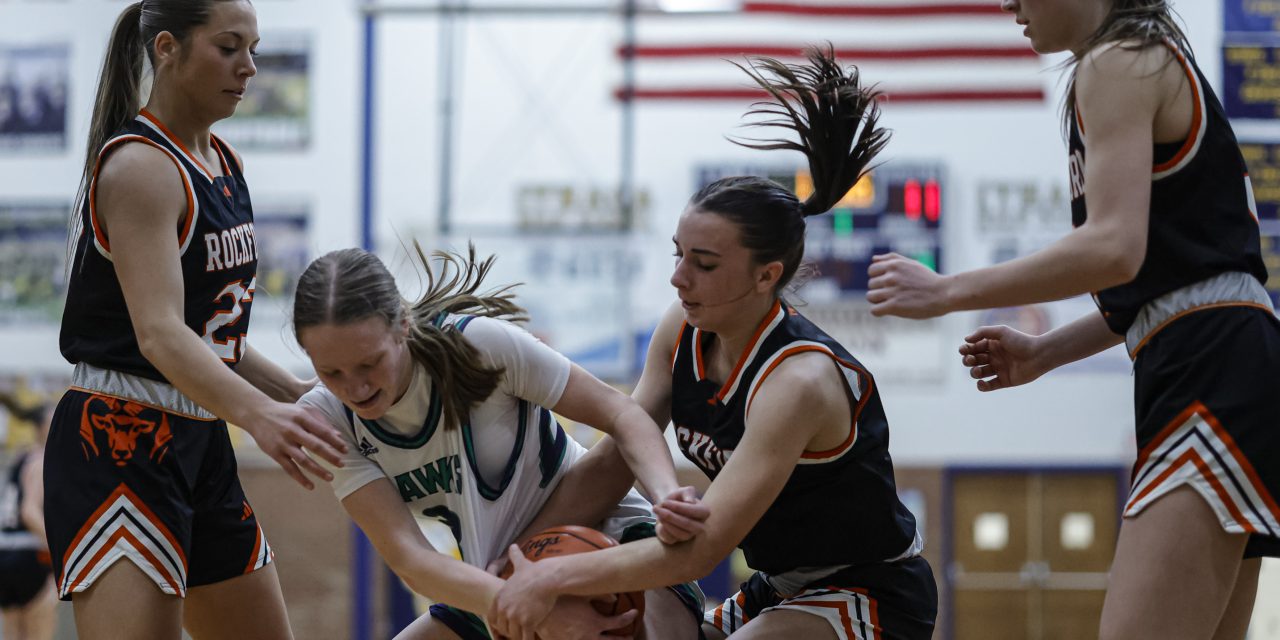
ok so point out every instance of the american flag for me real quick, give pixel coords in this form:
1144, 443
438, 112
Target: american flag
917, 51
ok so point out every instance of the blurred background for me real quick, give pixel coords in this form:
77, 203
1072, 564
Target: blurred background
565, 136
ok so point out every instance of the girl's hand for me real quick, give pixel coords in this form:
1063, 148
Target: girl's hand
681, 516
900, 286
1000, 357
288, 432
574, 618
524, 602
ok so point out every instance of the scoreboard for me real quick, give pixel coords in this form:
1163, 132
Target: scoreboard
896, 207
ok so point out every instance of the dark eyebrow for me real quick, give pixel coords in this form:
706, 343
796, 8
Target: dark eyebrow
238, 36
701, 252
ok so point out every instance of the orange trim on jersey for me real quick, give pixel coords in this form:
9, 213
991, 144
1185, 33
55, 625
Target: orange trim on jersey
145, 404
873, 606
679, 338
188, 217
217, 146
746, 352
110, 544
133, 499
1165, 432
1079, 120
1241, 460
1190, 456
857, 410
1215, 305
1197, 115
178, 143
257, 547
1198, 408
699, 366
845, 619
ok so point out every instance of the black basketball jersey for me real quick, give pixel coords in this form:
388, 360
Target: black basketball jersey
838, 507
1203, 220
218, 257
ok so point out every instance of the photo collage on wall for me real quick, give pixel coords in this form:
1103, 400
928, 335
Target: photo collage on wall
33, 98
275, 113
33, 246
40, 79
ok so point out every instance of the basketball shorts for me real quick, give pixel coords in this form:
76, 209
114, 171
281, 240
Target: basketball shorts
150, 483
23, 573
1208, 417
889, 601
469, 626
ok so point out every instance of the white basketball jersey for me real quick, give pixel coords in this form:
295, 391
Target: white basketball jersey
441, 473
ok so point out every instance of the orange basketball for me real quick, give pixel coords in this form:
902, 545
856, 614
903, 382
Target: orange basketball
569, 539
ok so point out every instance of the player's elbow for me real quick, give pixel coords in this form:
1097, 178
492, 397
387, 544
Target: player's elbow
1124, 262
153, 340
704, 558
1118, 257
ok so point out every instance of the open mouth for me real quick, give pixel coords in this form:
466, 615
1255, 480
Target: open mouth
368, 403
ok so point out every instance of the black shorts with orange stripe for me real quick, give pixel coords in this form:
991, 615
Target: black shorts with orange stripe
127, 480
1208, 417
877, 601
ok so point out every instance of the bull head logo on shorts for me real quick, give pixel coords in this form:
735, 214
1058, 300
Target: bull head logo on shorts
123, 421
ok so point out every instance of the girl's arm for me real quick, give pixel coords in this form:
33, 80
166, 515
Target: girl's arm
595, 484
1000, 357
791, 408
380, 513
270, 378
1119, 93
140, 214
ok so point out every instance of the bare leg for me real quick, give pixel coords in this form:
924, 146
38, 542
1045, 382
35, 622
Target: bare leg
125, 604
12, 623
666, 617
1235, 621
712, 633
782, 623
1174, 572
426, 628
246, 607
39, 616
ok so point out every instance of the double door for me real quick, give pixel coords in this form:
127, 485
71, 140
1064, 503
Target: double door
1030, 551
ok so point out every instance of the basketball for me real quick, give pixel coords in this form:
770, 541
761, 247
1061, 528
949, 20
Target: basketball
570, 539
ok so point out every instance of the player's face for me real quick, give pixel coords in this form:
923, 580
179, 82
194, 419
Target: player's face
714, 274
365, 363
1057, 25
214, 71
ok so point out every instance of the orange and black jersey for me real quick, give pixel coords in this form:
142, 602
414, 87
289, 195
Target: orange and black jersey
1203, 220
218, 252
838, 507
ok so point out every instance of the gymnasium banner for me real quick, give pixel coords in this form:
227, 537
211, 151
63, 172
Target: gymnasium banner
1250, 15
1263, 160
